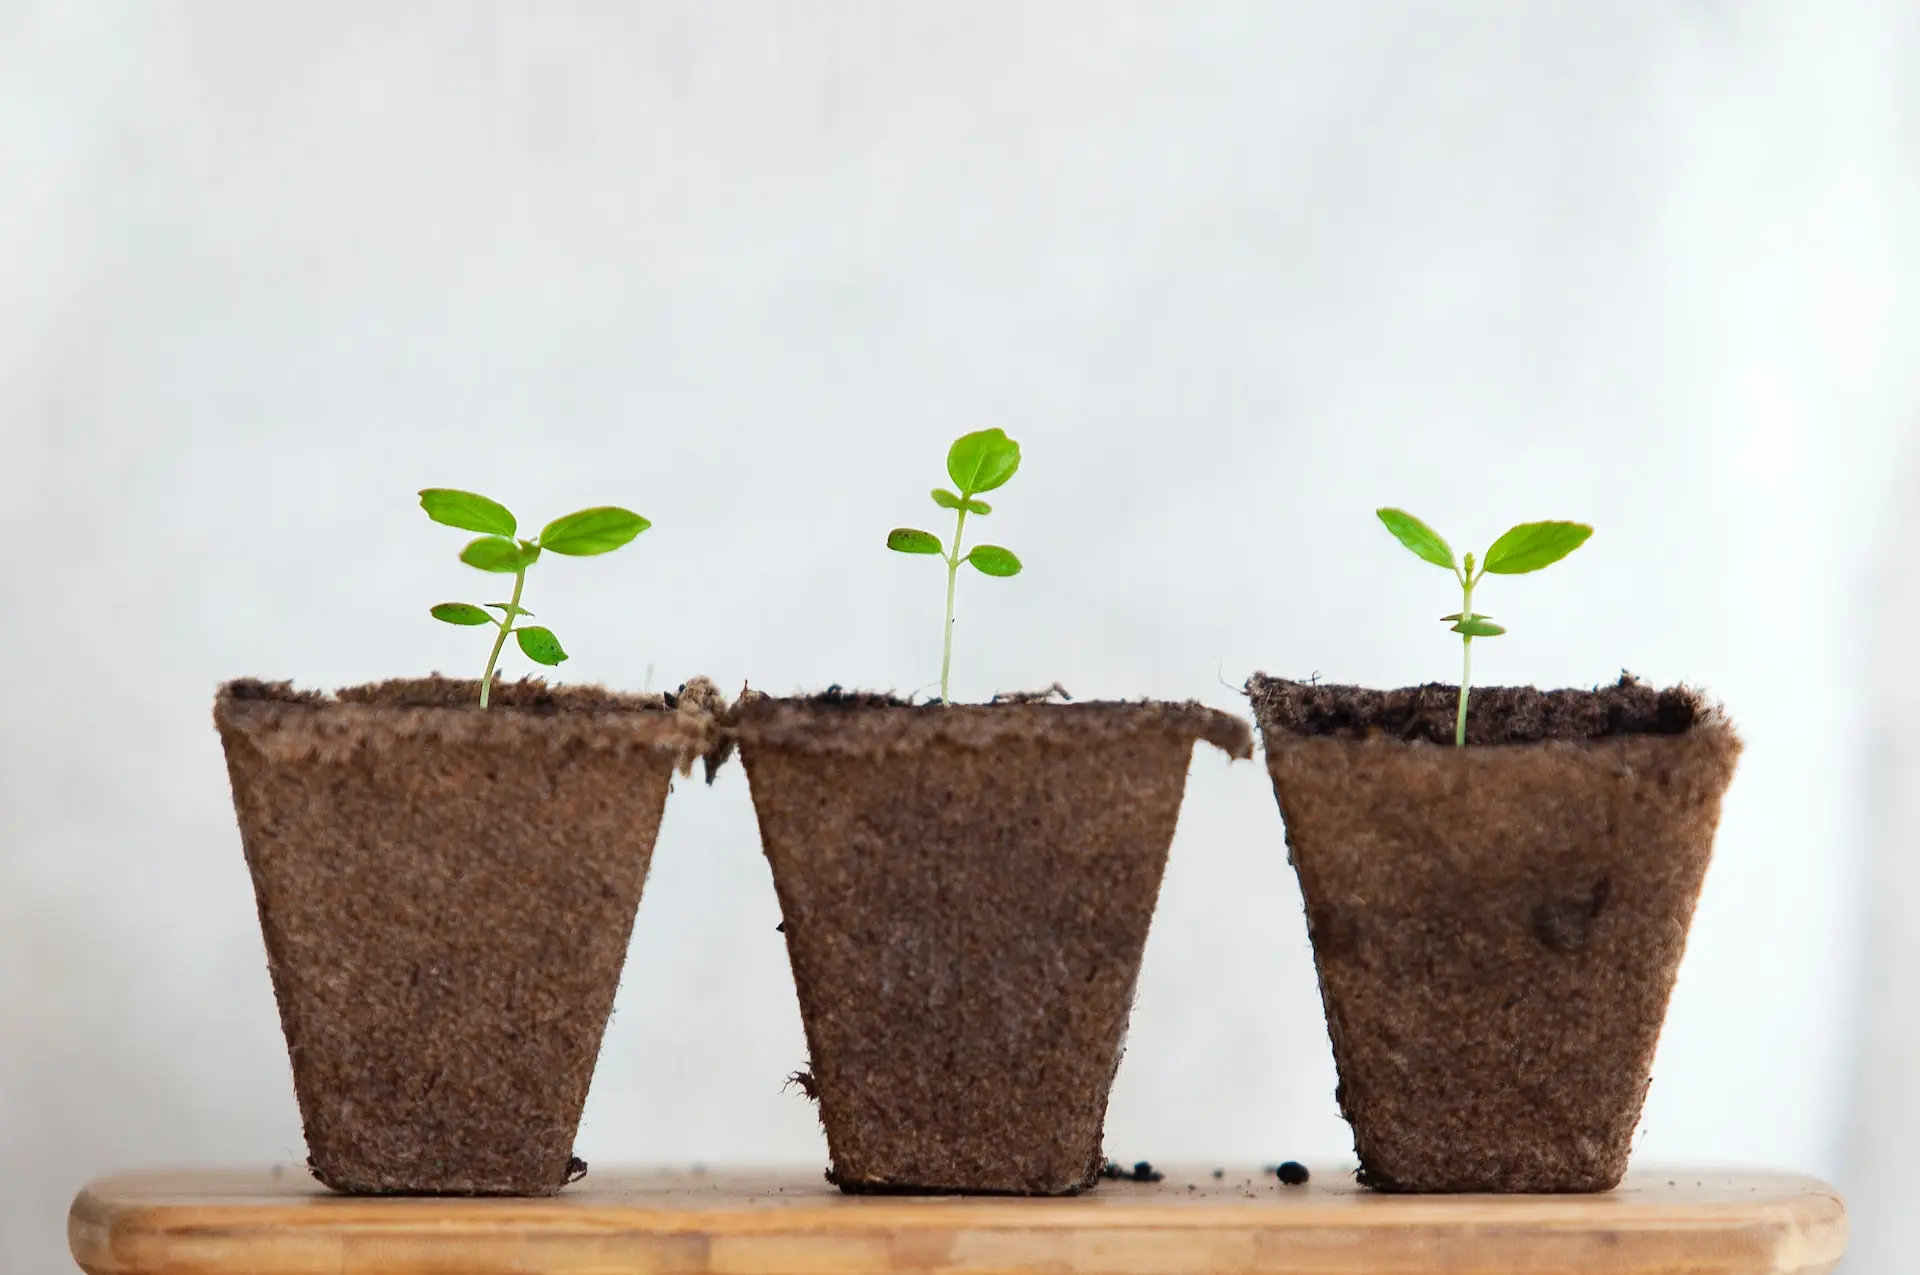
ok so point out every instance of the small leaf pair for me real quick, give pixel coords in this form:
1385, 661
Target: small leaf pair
1527, 547
987, 559
578, 535
977, 462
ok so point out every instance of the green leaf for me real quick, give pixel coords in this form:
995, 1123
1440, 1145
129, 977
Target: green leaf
982, 460
591, 531
1478, 626
497, 553
993, 560
468, 511
461, 613
1533, 545
977, 506
1417, 536
539, 645
907, 540
508, 609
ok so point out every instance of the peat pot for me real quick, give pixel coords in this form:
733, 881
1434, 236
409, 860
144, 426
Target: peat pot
446, 896
1496, 927
966, 893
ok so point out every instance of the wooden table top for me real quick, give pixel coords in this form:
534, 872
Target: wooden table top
618, 1222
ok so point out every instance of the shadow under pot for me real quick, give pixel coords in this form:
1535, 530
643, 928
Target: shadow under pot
966, 893
446, 896
1496, 927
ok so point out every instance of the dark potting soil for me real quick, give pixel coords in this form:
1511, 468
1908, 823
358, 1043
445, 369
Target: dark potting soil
966, 893
1495, 714
1496, 928
446, 898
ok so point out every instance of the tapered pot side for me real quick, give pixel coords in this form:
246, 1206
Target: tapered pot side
966, 894
446, 897
1496, 927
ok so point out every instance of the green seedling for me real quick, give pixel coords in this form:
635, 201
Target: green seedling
580, 535
976, 462
1527, 547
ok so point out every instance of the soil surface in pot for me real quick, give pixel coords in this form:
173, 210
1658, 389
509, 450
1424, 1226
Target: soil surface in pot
446, 897
1496, 927
967, 892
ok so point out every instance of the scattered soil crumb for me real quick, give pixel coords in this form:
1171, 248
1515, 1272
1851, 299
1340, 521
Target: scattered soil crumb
1111, 1171
1056, 691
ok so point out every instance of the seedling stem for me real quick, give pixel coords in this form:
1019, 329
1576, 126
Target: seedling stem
1467, 581
953, 574
505, 623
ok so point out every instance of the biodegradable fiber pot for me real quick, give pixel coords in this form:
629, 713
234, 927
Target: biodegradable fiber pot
446, 896
1496, 927
966, 893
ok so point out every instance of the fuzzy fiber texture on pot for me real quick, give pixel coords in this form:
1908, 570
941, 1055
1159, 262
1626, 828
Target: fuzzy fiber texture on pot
1496, 927
446, 896
966, 894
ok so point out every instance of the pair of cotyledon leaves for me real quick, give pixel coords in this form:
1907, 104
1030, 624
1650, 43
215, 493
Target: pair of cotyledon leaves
1527, 547
578, 535
977, 462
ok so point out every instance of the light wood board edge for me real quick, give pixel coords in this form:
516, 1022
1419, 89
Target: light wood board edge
193, 1225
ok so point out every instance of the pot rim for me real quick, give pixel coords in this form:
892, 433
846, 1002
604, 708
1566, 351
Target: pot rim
294, 726
860, 722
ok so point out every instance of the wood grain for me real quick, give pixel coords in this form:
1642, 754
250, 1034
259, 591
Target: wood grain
641, 1222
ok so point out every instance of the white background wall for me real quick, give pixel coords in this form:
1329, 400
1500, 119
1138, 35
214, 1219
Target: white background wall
1234, 274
